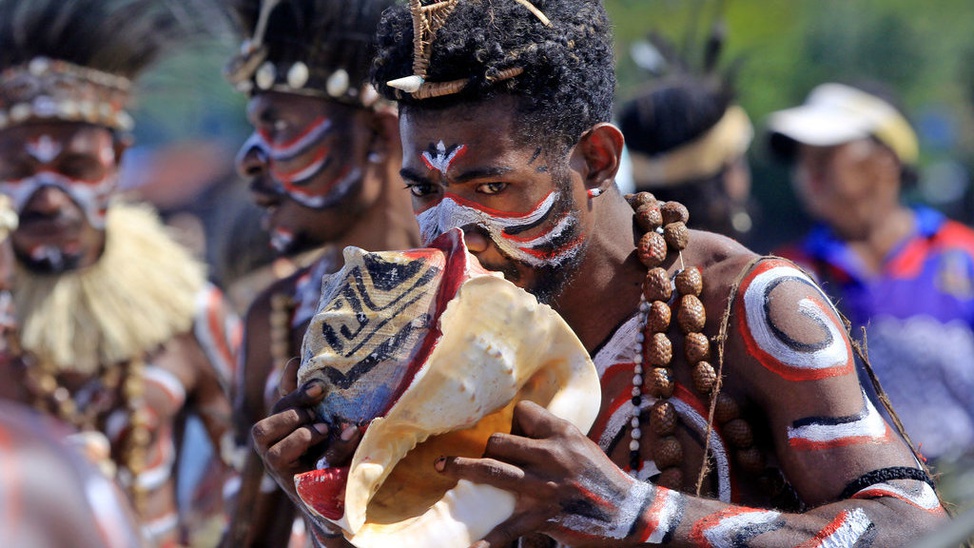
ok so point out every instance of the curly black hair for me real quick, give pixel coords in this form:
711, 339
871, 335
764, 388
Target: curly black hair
568, 81
324, 34
121, 37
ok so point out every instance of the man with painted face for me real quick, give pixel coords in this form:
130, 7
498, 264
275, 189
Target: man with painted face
731, 412
323, 162
123, 335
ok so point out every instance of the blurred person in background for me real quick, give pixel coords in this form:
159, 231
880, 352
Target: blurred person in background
904, 273
323, 162
687, 140
123, 336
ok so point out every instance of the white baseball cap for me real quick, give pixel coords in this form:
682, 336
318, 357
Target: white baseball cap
834, 114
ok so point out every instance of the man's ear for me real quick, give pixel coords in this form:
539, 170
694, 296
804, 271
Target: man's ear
599, 150
385, 135
121, 143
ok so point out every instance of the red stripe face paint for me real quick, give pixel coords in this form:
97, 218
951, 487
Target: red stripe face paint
556, 244
294, 164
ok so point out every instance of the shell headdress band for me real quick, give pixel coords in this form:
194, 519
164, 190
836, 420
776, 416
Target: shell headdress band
427, 20
54, 88
252, 70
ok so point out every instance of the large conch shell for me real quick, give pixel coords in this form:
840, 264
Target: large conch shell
440, 350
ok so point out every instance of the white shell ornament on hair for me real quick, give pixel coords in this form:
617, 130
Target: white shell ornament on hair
266, 75
409, 84
337, 83
432, 352
297, 75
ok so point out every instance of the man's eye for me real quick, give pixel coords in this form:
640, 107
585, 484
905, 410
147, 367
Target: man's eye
421, 189
491, 188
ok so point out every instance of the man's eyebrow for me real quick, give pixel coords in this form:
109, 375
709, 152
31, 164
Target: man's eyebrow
415, 176
473, 174
480, 173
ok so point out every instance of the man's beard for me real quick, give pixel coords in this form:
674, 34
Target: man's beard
48, 260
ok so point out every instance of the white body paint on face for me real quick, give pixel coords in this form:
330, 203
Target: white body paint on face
44, 149
455, 212
289, 183
829, 432
442, 158
795, 361
91, 196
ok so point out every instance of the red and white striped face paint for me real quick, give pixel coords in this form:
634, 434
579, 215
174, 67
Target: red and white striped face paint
295, 163
556, 242
91, 194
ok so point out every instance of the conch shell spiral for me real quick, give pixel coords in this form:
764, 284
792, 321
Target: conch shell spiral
432, 352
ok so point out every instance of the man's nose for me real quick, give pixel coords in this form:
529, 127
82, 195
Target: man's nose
476, 239
251, 161
47, 200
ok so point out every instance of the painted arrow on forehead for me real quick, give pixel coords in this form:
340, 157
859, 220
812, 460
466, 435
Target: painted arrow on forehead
440, 157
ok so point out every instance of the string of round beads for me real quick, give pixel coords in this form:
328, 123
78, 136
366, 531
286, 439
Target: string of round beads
664, 226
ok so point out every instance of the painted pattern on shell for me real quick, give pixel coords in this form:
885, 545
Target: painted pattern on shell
376, 314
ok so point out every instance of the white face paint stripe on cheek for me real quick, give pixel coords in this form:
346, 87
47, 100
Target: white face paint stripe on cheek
454, 212
92, 197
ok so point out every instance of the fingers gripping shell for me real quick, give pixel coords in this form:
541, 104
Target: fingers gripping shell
497, 346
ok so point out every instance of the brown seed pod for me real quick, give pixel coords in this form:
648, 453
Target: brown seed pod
658, 318
651, 249
704, 377
667, 452
671, 478
640, 199
690, 315
657, 285
662, 418
674, 212
661, 383
689, 281
727, 409
659, 350
649, 217
751, 459
696, 347
676, 235
738, 432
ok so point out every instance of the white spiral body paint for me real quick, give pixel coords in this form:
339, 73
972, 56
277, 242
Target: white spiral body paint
455, 212
791, 359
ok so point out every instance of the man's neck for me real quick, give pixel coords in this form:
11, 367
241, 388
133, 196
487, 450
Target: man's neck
605, 290
882, 237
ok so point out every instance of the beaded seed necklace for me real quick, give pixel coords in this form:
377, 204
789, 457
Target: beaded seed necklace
664, 227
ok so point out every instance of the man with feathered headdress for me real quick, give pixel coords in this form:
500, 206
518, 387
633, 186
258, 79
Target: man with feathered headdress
323, 163
122, 334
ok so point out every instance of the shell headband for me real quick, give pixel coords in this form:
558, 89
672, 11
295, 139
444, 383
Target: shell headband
427, 20
251, 71
56, 89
